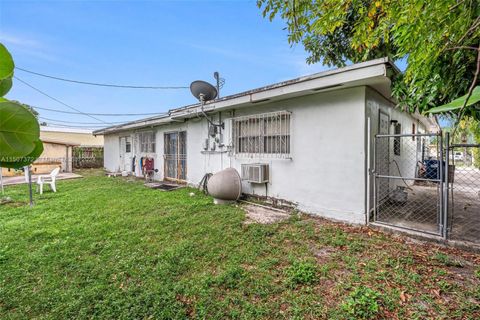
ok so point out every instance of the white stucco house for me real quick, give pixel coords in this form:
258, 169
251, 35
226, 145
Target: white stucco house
313, 133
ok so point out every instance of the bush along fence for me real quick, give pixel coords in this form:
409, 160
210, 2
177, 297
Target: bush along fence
87, 157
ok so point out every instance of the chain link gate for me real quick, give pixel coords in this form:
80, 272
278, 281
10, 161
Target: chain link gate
423, 183
408, 183
463, 182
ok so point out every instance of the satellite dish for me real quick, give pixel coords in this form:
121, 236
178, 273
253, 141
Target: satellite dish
203, 90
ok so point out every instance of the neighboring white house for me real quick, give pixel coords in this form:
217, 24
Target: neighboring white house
311, 131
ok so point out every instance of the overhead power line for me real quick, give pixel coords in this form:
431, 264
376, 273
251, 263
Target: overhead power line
59, 125
75, 122
103, 114
103, 84
85, 113
59, 101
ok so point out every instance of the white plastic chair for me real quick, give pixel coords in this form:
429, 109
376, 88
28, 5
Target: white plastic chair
48, 179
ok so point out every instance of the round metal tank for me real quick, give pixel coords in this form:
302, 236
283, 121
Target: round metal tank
225, 186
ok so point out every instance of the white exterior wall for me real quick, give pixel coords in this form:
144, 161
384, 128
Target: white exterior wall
409, 154
326, 174
111, 153
196, 131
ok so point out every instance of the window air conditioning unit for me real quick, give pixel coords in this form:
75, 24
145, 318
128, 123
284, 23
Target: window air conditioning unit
255, 172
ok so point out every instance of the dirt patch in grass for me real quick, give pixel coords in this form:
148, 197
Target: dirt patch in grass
264, 215
322, 254
12, 203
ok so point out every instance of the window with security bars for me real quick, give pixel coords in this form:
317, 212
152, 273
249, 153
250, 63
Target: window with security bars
146, 141
266, 134
397, 145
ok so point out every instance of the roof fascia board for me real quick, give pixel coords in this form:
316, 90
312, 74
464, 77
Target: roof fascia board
65, 143
334, 81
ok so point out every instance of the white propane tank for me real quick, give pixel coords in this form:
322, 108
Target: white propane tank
225, 186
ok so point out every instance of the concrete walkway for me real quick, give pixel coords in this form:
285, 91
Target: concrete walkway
21, 179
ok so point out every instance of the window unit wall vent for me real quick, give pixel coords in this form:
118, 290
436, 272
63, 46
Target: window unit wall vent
255, 172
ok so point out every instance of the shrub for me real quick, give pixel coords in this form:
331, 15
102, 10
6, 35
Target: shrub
362, 303
476, 157
302, 272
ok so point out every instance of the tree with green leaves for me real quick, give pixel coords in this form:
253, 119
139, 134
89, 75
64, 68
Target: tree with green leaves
471, 128
466, 131
439, 39
20, 143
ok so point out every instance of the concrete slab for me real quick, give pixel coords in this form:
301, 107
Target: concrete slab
422, 211
7, 181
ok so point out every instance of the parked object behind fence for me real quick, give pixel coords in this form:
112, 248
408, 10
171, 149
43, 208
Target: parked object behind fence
428, 190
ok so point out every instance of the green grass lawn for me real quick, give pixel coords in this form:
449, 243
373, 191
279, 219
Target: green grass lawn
108, 248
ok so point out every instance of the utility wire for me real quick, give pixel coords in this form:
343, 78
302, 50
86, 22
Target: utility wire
61, 102
104, 114
76, 122
49, 123
72, 126
102, 84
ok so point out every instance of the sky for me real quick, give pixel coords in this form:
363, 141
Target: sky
146, 43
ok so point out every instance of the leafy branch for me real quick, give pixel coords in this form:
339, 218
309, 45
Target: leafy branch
438, 39
470, 90
20, 143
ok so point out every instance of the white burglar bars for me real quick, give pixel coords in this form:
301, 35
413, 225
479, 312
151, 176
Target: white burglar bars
262, 135
146, 140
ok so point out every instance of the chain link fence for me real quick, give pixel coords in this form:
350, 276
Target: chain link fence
408, 184
86, 157
424, 184
464, 193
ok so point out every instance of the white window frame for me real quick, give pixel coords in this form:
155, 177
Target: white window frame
265, 135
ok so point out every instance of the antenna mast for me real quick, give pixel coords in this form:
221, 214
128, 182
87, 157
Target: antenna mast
220, 82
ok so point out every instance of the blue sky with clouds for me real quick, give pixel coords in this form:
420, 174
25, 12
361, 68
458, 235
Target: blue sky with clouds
167, 43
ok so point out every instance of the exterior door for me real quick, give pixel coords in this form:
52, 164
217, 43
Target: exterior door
175, 156
126, 154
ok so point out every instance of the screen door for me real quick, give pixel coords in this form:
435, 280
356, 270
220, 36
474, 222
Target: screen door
126, 153
175, 156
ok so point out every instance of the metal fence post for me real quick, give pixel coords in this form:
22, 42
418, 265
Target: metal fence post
374, 173
369, 174
30, 184
446, 186
441, 183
